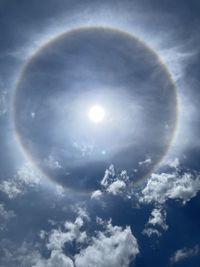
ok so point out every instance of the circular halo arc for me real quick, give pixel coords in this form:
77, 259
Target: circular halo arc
59, 37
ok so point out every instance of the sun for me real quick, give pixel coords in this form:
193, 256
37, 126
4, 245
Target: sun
96, 114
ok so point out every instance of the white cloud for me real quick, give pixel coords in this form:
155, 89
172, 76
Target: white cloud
58, 238
96, 194
6, 214
57, 259
151, 231
27, 176
108, 176
146, 162
174, 163
115, 183
82, 213
185, 253
10, 188
60, 190
113, 246
116, 187
157, 219
161, 187
116, 247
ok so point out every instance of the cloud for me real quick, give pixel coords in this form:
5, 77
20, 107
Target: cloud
164, 186
151, 231
96, 194
146, 162
52, 163
58, 238
175, 163
157, 219
28, 255
27, 176
115, 183
176, 184
5, 216
112, 246
115, 247
10, 188
108, 176
3, 103
13, 255
57, 259
60, 190
176, 59
116, 187
82, 213
185, 253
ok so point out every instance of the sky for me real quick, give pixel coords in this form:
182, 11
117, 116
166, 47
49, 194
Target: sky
99, 140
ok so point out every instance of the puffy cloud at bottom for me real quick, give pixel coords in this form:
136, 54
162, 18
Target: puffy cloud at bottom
115, 248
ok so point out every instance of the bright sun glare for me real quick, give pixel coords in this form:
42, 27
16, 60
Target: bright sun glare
96, 113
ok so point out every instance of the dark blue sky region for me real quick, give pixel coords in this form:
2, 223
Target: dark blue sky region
116, 192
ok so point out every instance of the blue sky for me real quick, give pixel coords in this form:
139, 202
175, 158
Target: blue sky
121, 192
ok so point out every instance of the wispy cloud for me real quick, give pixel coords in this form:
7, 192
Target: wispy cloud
185, 253
5, 216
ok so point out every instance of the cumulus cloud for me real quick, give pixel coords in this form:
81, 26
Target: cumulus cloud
185, 253
112, 246
27, 176
175, 163
175, 185
115, 247
157, 219
115, 183
108, 176
10, 188
96, 194
116, 187
58, 238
